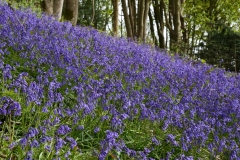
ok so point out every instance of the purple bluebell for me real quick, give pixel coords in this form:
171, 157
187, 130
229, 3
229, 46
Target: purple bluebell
29, 155
34, 144
59, 144
9, 107
72, 142
155, 141
81, 127
63, 130
96, 130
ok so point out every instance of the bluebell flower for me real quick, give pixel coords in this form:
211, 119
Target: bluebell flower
48, 148
7, 72
12, 145
63, 130
32, 132
67, 154
59, 144
155, 141
29, 155
97, 129
55, 121
45, 139
102, 155
81, 127
45, 109
171, 139
34, 144
104, 118
23, 142
72, 142
9, 106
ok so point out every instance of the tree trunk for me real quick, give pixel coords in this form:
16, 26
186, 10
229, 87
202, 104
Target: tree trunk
53, 7
158, 14
115, 17
107, 17
141, 7
183, 27
176, 20
47, 7
152, 29
134, 14
136, 22
127, 19
146, 10
57, 9
93, 11
173, 22
71, 11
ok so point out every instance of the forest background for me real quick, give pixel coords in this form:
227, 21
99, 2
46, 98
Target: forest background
206, 30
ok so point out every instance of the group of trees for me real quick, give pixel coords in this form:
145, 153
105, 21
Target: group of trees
68, 9
180, 26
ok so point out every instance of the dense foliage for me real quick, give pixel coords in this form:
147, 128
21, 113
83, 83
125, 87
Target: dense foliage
222, 49
72, 92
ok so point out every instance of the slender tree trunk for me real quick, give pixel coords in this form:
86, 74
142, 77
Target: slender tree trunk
183, 27
134, 12
127, 19
130, 8
176, 20
136, 21
147, 4
158, 14
107, 17
93, 11
152, 28
193, 35
184, 36
162, 26
141, 8
173, 22
94, 20
115, 17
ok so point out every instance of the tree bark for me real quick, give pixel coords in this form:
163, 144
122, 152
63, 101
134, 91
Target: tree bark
93, 11
173, 22
176, 20
141, 7
53, 7
71, 11
146, 10
152, 28
127, 19
47, 7
136, 21
134, 12
159, 14
57, 9
115, 17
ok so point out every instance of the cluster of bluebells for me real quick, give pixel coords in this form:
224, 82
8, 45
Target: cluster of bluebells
9, 106
126, 79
